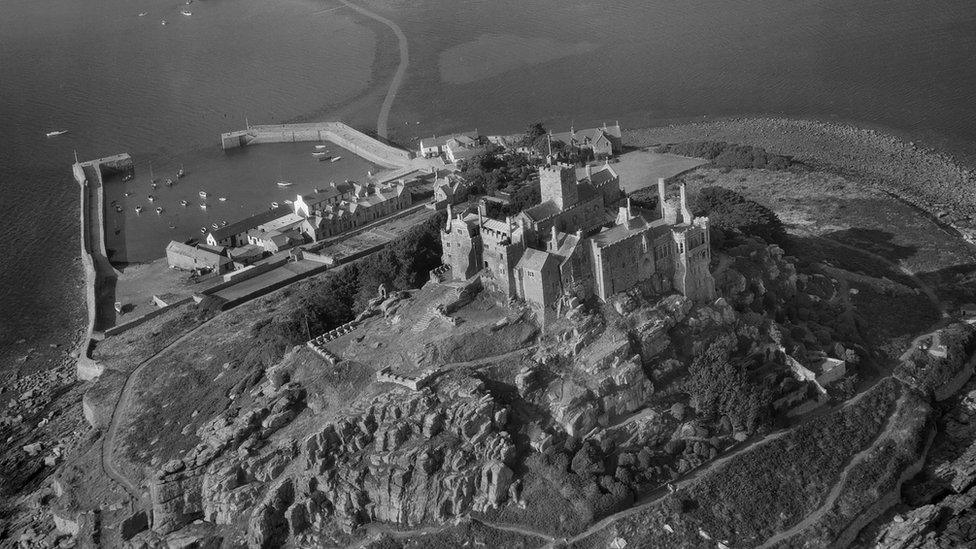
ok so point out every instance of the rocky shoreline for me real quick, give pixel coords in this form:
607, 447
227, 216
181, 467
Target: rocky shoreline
930, 180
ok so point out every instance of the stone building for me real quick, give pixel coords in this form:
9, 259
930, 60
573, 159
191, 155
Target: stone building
196, 258
569, 245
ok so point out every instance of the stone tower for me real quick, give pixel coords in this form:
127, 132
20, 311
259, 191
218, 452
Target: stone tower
558, 183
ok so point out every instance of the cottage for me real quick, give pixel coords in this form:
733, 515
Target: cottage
195, 258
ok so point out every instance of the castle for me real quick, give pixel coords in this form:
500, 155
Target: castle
570, 245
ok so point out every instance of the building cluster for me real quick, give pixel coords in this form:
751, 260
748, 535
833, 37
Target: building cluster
329, 212
579, 241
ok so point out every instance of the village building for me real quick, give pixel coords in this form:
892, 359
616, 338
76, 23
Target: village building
602, 142
363, 204
195, 258
464, 148
451, 189
279, 234
235, 234
567, 245
435, 146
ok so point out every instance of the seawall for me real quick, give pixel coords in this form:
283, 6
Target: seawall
99, 274
341, 134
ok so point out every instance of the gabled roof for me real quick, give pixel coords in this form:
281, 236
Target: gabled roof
542, 211
195, 253
242, 226
442, 140
604, 175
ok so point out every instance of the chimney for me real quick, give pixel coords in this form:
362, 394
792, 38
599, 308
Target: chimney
554, 241
685, 213
450, 214
589, 173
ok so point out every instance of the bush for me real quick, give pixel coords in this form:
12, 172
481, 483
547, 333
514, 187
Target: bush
729, 155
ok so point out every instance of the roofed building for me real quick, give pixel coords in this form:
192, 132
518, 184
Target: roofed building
195, 258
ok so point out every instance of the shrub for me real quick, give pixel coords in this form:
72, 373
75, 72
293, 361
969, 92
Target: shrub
729, 155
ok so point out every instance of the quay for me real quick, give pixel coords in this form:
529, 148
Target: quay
341, 134
100, 276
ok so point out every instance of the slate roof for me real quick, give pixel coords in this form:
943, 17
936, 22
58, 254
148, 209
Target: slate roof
542, 211
242, 226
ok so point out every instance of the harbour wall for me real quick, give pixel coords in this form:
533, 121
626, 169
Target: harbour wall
99, 274
341, 134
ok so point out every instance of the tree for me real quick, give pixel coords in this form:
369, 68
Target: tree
533, 132
720, 385
729, 211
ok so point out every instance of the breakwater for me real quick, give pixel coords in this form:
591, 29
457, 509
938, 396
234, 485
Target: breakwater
100, 276
341, 134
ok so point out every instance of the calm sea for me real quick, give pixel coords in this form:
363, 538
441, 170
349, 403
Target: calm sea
120, 82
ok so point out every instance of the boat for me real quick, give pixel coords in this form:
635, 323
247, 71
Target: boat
181, 172
274, 205
172, 226
215, 226
127, 177
287, 201
186, 12
56, 133
188, 2
143, 14
159, 210
183, 203
152, 198
223, 223
203, 194
323, 157
169, 182
335, 159
118, 209
163, 22
283, 183
126, 194
203, 205
321, 148
203, 229
319, 153
138, 209
222, 199
153, 185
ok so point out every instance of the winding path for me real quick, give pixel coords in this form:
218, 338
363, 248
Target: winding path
398, 76
119, 411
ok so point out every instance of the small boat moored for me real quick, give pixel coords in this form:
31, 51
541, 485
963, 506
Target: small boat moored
203, 229
56, 133
183, 203
222, 199
203, 205
283, 183
274, 205
214, 225
335, 159
143, 14
169, 182
163, 22
203, 194
151, 198
138, 209
321, 147
186, 12
159, 210
223, 223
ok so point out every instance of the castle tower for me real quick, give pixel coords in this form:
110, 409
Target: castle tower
558, 183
